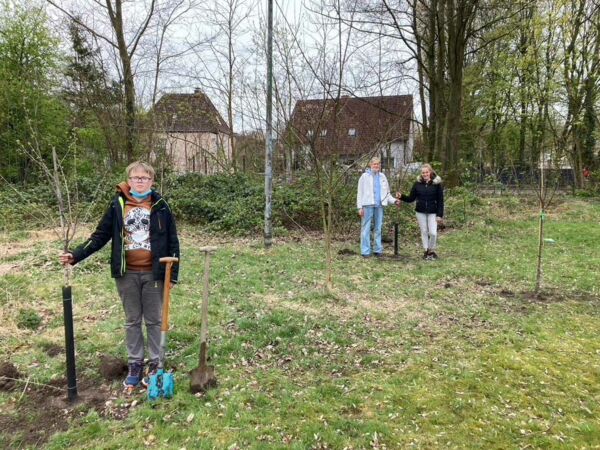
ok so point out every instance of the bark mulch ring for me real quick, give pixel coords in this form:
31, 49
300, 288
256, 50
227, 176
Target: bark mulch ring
33, 412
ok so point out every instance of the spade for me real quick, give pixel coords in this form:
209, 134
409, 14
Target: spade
203, 377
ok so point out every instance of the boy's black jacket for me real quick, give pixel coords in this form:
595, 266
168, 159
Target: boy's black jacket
163, 237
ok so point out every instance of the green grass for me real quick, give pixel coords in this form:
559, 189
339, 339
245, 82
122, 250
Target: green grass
402, 354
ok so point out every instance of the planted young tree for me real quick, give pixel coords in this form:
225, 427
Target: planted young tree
328, 68
326, 81
544, 151
545, 195
54, 175
60, 173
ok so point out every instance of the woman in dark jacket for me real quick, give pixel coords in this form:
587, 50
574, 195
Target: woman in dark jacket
429, 194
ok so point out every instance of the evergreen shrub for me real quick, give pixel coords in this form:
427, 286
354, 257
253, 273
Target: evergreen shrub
235, 203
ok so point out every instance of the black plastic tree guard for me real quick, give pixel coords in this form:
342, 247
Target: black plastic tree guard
396, 240
69, 343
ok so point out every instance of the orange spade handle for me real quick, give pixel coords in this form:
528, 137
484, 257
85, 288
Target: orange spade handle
169, 261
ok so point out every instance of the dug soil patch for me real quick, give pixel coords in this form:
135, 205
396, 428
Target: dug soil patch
53, 350
112, 368
9, 376
35, 412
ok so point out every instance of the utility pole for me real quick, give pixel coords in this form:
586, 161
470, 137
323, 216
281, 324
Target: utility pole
269, 132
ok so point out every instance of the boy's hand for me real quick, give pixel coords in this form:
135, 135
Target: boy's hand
66, 258
361, 212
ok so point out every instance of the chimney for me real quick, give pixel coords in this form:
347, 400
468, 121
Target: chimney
197, 90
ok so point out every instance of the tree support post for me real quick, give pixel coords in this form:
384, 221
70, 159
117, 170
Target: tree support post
69, 344
396, 227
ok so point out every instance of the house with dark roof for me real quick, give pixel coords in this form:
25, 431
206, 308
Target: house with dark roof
353, 129
193, 134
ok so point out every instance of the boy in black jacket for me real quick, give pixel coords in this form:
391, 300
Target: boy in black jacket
142, 229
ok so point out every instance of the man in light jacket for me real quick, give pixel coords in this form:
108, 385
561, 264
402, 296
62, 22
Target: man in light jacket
373, 194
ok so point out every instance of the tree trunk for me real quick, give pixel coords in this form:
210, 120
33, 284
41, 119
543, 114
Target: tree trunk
125, 54
439, 85
116, 18
328, 236
231, 62
457, 20
420, 69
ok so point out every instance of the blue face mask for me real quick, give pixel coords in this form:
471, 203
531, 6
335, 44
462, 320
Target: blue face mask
139, 195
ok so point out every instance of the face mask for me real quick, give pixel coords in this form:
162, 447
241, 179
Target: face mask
139, 195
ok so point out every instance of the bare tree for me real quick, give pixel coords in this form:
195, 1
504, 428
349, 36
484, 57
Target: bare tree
580, 30
222, 71
438, 36
327, 64
124, 38
170, 16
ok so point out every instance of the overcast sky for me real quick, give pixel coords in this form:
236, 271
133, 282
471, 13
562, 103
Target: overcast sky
196, 47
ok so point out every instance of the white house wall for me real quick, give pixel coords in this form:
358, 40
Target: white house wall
409, 155
205, 153
397, 152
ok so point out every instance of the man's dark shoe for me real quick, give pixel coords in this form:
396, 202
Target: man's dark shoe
366, 256
426, 254
152, 367
433, 255
378, 255
135, 374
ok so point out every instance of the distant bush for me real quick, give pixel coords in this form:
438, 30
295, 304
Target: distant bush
581, 193
235, 203
461, 204
223, 202
29, 208
35, 205
298, 204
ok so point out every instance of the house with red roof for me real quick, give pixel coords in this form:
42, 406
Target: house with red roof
353, 129
192, 133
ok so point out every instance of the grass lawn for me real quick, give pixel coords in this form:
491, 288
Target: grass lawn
405, 353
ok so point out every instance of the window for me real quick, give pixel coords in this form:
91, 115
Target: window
323, 133
310, 133
387, 163
347, 160
352, 132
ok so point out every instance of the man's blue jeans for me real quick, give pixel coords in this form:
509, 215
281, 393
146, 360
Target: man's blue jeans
372, 214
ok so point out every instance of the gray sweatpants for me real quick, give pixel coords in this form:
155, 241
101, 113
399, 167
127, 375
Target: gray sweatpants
142, 298
428, 226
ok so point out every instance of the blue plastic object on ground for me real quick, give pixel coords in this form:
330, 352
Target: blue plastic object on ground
161, 385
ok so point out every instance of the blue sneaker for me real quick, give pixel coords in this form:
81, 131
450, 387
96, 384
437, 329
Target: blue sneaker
136, 371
